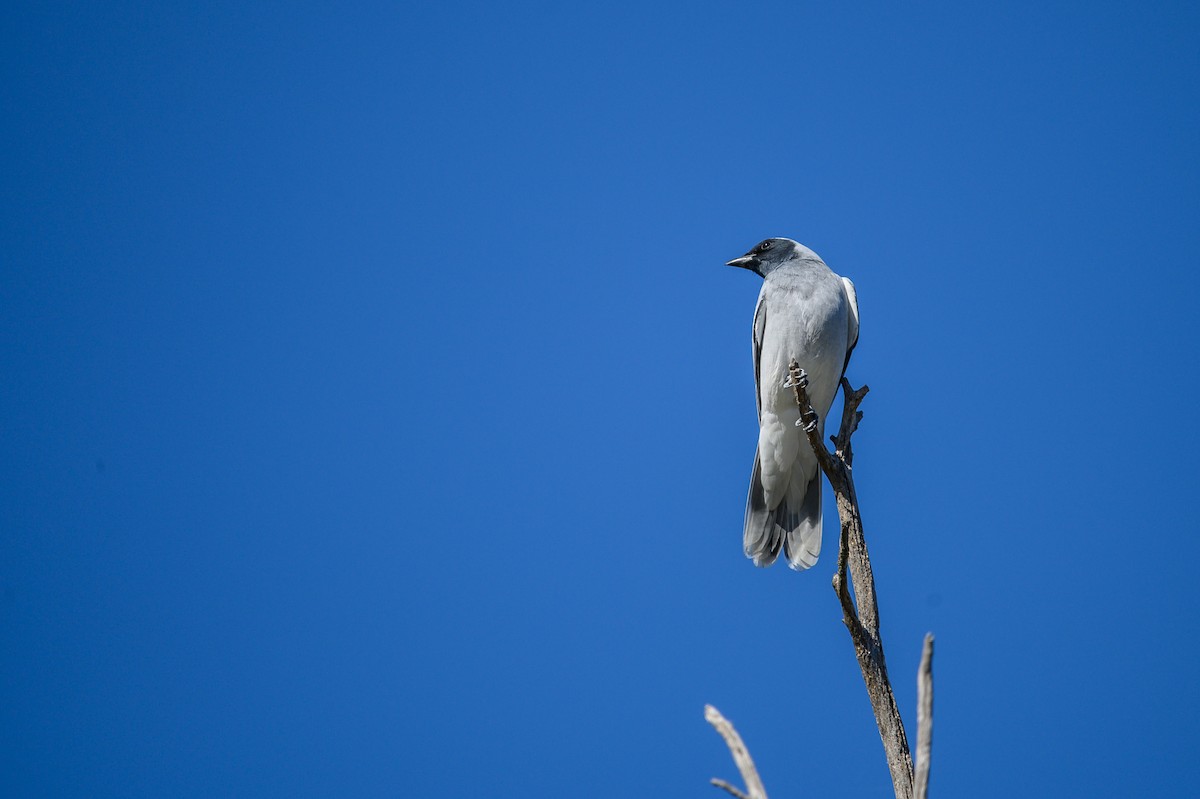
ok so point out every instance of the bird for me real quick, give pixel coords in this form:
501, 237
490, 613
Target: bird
808, 313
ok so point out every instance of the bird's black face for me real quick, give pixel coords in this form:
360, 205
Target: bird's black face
767, 251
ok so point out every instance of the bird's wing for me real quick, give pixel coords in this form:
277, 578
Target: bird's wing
852, 337
760, 326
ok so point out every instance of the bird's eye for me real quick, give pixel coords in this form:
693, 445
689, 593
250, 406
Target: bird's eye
766, 245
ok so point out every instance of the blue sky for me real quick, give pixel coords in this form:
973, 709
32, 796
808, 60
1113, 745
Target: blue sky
378, 411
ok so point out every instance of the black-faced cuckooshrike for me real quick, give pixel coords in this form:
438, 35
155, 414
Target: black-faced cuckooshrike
805, 312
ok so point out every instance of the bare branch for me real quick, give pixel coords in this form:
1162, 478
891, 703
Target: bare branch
842, 586
924, 719
727, 787
741, 757
860, 614
851, 416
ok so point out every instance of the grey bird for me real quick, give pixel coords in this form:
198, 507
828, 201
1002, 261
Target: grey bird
805, 312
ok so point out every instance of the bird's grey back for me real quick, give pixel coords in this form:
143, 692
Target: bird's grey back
805, 313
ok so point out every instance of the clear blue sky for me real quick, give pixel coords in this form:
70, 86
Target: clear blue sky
377, 412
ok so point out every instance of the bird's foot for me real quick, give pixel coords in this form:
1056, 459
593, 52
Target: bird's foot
809, 424
801, 379
797, 379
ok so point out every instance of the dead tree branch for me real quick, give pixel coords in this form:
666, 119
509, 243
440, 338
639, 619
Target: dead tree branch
860, 613
741, 756
729, 788
924, 719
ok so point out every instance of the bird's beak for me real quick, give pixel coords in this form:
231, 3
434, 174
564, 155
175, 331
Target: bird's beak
745, 262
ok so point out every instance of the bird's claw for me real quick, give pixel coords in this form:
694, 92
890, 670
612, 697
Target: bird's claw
809, 425
800, 380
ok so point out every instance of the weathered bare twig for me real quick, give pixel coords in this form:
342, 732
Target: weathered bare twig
729, 788
741, 756
924, 719
860, 613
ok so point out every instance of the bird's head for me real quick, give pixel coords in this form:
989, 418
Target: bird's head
770, 254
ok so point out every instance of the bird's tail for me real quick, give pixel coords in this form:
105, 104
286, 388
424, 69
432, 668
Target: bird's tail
802, 545
794, 526
761, 537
